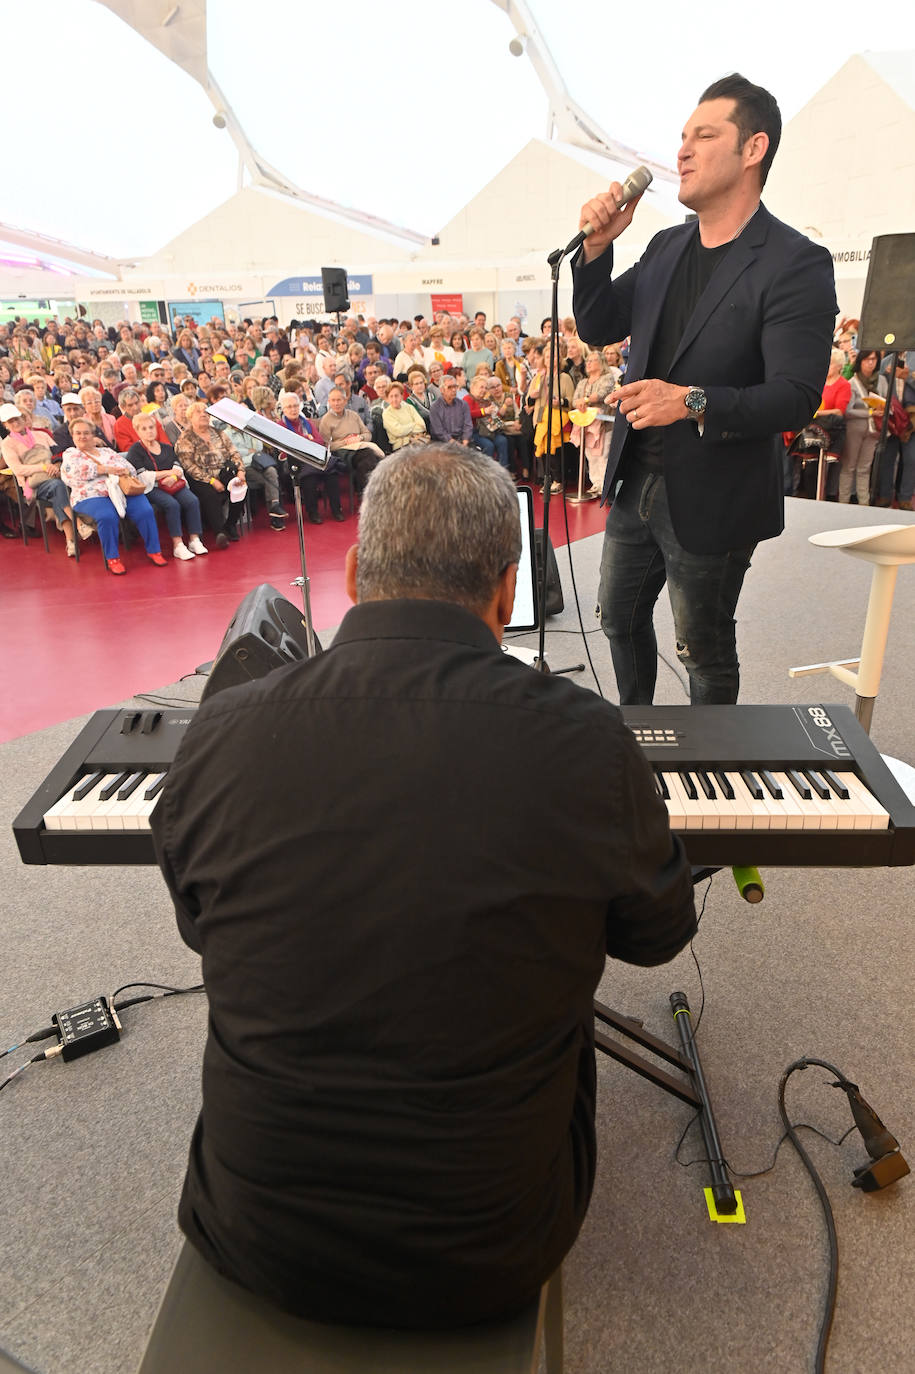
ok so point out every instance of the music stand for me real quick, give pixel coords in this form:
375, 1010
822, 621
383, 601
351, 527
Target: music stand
301, 455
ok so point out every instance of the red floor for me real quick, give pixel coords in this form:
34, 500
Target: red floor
76, 639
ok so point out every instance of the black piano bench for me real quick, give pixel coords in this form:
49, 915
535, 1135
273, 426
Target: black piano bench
207, 1325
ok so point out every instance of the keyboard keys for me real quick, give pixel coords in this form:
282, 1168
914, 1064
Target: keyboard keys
108, 801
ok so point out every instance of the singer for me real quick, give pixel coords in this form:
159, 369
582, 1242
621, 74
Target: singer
731, 321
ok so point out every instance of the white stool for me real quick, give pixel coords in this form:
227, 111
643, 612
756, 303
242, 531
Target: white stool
887, 547
207, 1325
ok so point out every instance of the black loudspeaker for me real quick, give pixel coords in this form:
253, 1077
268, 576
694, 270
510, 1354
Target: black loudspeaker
333, 282
554, 601
888, 312
266, 632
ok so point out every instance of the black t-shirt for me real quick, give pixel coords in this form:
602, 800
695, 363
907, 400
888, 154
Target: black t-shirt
398, 1083
693, 274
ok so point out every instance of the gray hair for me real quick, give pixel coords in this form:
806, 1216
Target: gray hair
438, 522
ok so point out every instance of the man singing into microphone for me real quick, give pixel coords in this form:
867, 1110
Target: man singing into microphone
731, 321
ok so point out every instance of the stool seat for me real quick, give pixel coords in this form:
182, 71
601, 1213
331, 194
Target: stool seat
885, 544
207, 1325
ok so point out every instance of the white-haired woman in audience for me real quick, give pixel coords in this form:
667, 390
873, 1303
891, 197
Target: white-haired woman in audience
86, 468
171, 494
293, 418
91, 401
28, 455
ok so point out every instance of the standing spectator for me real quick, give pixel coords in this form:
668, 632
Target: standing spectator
477, 353
862, 427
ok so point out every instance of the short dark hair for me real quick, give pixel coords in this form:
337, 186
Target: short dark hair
755, 111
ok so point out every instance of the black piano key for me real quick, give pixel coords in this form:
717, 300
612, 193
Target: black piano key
836, 783
85, 787
770, 784
155, 787
131, 785
689, 787
108, 792
706, 784
799, 784
727, 790
662, 787
817, 784
752, 783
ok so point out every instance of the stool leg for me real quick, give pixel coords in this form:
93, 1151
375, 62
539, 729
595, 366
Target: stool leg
549, 1327
873, 645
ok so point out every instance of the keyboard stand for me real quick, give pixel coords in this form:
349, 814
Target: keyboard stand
690, 1089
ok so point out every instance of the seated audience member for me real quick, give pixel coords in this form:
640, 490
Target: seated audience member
436, 373
379, 433
311, 480
61, 438
509, 369
28, 454
131, 403
355, 401
504, 411
260, 468
148, 455
86, 468
210, 463
487, 428
187, 352
370, 378
419, 394
45, 404
449, 418
91, 400
333, 1119
344, 433
25, 400
403, 423
461, 378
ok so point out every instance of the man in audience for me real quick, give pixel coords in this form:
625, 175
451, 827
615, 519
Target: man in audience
125, 435
449, 418
345, 434
402, 1133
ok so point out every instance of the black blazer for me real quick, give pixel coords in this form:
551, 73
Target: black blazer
757, 343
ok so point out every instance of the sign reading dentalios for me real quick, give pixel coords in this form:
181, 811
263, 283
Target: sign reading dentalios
312, 286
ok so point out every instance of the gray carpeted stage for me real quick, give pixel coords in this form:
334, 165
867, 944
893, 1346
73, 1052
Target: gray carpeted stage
93, 1151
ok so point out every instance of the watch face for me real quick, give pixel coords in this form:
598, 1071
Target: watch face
695, 400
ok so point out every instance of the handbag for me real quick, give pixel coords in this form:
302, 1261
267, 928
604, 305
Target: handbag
900, 422
173, 484
131, 486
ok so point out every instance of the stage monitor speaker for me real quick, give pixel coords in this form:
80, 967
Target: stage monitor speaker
554, 600
266, 632
333, 281
888, 312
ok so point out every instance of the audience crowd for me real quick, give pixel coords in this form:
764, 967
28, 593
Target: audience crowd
139, 396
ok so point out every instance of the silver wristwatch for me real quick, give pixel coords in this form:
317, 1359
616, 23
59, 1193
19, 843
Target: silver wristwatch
695, 400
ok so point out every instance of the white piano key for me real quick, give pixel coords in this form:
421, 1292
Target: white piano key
68, 814
677, 805
791, 805
703, 807
870, 808
751, 814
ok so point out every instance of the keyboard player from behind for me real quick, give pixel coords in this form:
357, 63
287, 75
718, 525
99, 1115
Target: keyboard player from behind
403, 879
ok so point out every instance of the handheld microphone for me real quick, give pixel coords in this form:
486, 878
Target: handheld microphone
636, 182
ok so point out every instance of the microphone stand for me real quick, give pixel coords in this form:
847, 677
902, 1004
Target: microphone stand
296, 468
540, 663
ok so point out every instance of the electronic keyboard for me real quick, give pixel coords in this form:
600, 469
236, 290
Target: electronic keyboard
786, 785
